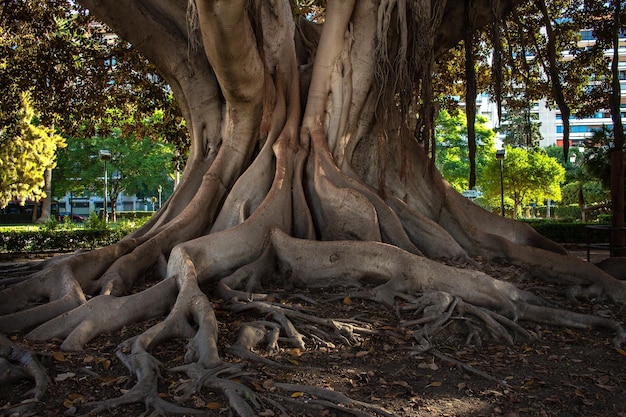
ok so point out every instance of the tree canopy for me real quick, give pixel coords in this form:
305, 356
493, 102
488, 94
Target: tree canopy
530, 176
27, 150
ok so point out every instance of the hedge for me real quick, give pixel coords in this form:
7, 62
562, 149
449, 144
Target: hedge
58, 240
69, 240
567, 232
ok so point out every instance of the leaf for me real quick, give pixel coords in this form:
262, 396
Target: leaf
105, 364
621, 351
214, 406
297, 394
58, 356
347, 300
293, 361
295, 352
362, 353
64, 376
434, 384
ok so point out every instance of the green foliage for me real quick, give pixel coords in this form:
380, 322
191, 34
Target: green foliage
520, 128
138, 166
597, 158
564, 232
58, 240
452, 158
95, 222
593, 193
26, 152
80, 78
529, 176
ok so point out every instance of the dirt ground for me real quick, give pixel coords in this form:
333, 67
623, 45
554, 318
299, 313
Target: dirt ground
561, 372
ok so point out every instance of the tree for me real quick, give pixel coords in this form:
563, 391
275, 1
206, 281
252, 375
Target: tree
309, 166
137, 166
529, 176
27, 152
520, 128
452, 148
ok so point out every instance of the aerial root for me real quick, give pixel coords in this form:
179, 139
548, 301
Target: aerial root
17, 363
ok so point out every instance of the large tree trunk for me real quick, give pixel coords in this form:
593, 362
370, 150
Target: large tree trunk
307, 167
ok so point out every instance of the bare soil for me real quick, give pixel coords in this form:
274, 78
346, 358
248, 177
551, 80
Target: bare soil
561, 372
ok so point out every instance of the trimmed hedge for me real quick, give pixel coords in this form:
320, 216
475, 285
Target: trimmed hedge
58, 240
69, 240
567, 232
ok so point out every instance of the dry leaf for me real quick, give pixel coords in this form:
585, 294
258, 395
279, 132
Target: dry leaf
295, 352
64, 376
105, 363
268, 384
58, 356
214, 406
347, 300
297, 394
361, 353
434, 384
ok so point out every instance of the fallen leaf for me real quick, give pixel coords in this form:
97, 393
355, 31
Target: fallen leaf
297, 394
347, 300
434, 384
214, 406
461, 385
361, 353
621, 351
64, 376
295, 352
58, 356
104, 362
268, 383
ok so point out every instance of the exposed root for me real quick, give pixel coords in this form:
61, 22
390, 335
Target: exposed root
17, 363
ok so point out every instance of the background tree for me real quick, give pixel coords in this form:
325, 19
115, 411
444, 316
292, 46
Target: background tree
529, 176
452, 148
520, 128
27, 151
78, 77
310, 165
138, 167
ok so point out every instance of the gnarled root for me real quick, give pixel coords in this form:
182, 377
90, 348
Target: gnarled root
17, 363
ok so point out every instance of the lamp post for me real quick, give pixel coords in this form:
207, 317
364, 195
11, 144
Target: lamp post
500, 155
177, 181
160, 189
105, 156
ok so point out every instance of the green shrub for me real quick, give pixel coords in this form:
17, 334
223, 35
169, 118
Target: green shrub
566, 232
57, 240
95, 222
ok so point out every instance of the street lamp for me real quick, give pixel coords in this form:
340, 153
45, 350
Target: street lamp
105, 156
160, 189
177, 181
500, 155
